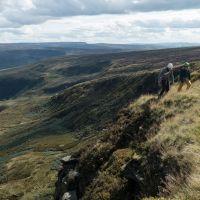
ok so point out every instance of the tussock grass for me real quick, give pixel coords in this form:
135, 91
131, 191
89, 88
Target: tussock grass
178, 139
30, 176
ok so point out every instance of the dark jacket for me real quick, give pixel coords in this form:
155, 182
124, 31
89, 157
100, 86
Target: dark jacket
166, 74
184, 74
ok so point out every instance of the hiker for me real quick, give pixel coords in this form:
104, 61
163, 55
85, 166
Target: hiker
165, 79
184, 76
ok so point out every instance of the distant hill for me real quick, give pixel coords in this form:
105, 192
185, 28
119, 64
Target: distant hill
13, 55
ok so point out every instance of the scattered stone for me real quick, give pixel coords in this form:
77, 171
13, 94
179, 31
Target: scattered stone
69, 160
66, 159
56, 165
66, 196
67, 186
71, 195
130, 171
72, 174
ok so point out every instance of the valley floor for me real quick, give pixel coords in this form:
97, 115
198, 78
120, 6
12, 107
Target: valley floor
28, 171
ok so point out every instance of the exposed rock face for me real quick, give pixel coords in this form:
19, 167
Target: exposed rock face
67, 185
131, 172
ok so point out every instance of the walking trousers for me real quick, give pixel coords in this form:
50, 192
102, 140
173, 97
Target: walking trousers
182, 83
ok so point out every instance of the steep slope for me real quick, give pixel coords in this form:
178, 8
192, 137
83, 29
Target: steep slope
93, 104
151, 151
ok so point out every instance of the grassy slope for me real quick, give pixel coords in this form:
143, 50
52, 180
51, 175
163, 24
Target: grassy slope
179, 138
115, 88
167, 157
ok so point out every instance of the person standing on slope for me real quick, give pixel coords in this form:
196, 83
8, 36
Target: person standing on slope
165, 79
184, 76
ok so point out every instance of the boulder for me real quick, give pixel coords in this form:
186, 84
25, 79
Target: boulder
69, 160
131, 171
71, 195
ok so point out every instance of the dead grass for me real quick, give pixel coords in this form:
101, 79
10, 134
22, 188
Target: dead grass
178, 138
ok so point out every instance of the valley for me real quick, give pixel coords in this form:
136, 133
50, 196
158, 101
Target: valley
102, 110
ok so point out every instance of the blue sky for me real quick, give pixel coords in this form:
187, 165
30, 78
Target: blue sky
109, 21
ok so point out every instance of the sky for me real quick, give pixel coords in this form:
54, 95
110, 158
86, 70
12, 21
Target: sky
100, 21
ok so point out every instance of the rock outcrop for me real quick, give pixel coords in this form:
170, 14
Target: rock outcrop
67, 185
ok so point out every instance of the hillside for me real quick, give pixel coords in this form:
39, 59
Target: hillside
94, 86
151, 151
29, 53
102, 110
54, 75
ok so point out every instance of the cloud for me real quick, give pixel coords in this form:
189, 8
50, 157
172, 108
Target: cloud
129, 28
174, 24
164, 5
91, 7
25, 12
116, 21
